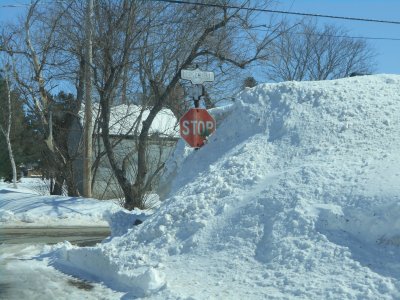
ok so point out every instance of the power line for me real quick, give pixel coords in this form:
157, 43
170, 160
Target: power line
270, 11
282, 12
297, 13
336, 36
253, 9
13, 5
19, 5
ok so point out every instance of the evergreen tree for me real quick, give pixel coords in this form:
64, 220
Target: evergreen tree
25, 145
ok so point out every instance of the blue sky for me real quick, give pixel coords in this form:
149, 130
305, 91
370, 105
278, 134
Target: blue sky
388, 58
388, 51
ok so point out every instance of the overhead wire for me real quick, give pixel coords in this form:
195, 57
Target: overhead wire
19, 5
335, 36
251, 9
296, 13
268, 11
281, 11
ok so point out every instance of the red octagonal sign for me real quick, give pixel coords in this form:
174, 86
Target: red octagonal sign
196, 125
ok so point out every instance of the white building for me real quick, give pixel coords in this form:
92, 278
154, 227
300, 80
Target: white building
125, 125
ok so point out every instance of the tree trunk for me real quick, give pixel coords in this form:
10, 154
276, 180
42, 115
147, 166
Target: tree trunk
58, 184
70, 181
8, 131
11, 156
130, 200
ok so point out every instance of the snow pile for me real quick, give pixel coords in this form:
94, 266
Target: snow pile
297, 195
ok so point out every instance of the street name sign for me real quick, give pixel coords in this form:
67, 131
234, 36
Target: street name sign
197, 76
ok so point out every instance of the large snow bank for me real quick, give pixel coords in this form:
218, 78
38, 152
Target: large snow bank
295, 196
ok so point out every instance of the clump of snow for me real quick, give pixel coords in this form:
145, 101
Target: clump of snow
6, 216
296, 195
138, 283
121, 221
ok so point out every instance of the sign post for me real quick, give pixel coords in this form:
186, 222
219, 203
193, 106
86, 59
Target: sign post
197, 124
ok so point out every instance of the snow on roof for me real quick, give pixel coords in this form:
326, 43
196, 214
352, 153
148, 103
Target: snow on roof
296, 195
124, 119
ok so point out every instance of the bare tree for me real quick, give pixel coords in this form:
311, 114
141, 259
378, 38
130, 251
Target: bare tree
309, 52
167, 39
139, 48
5, 127
37, 61
113, 42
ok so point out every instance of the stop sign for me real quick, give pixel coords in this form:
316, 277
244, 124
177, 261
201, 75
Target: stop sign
196, 125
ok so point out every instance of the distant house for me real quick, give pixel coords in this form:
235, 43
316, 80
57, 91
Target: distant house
125, 125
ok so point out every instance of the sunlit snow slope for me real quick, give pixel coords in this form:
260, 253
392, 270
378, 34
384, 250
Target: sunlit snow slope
297, 195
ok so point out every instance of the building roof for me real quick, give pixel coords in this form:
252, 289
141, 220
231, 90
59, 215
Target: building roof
126, 119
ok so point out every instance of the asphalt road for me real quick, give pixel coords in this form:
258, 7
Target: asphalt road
24, 277
81, 236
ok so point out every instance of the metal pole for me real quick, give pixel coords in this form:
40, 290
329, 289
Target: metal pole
88, 130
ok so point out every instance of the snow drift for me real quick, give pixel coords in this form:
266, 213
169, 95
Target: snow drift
295, 196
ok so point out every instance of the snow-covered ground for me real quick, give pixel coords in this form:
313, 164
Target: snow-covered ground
296, 196
25, 269
27, 206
